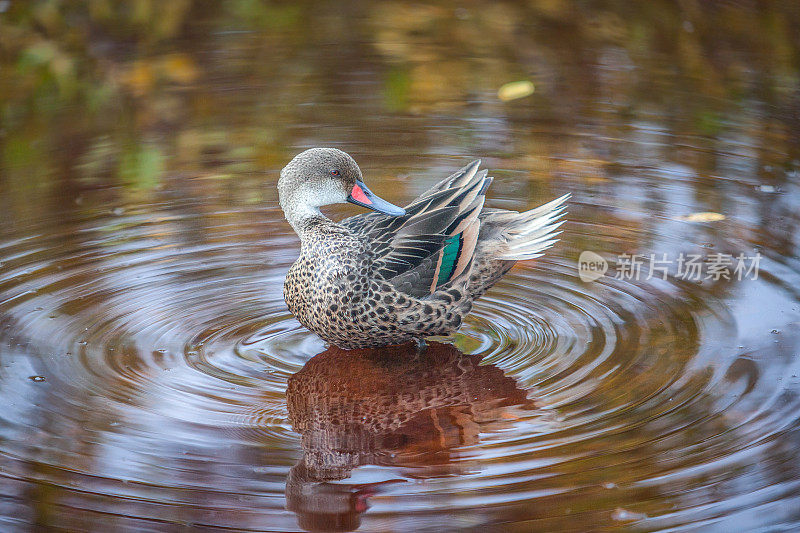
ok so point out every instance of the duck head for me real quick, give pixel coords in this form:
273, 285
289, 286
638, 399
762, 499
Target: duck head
324, 176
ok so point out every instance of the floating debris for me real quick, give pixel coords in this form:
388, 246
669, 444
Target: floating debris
623, 515
705, 216
515, 90
37, 379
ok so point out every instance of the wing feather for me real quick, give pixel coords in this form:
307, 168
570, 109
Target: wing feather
434, 243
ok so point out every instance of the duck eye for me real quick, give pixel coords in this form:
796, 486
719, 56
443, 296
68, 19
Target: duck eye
334, 172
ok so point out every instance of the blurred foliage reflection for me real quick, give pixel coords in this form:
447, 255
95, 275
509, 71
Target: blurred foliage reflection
123, 90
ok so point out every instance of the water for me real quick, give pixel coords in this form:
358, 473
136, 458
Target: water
152, 379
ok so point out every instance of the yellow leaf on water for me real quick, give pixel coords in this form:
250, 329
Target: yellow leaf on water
706, 216
514, 90
179, 68
139, 77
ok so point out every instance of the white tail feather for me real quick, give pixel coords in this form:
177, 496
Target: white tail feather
532, 232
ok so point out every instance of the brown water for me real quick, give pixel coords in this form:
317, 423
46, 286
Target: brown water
151, 378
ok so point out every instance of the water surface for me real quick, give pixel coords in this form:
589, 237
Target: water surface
152, 378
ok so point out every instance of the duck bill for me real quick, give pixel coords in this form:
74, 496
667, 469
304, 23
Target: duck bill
361, 195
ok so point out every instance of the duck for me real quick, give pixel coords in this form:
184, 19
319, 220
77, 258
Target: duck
398, 274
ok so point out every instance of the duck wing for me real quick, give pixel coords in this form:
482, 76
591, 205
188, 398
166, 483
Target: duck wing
434, 243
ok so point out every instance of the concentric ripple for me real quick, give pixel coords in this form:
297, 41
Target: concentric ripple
152, 375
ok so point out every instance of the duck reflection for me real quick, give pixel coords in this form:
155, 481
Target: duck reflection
390, 407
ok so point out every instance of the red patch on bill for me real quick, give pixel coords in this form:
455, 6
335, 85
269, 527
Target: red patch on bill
359, 196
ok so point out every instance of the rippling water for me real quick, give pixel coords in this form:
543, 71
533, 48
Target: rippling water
152, 379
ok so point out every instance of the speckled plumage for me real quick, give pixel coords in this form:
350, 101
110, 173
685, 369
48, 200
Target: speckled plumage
376, 280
